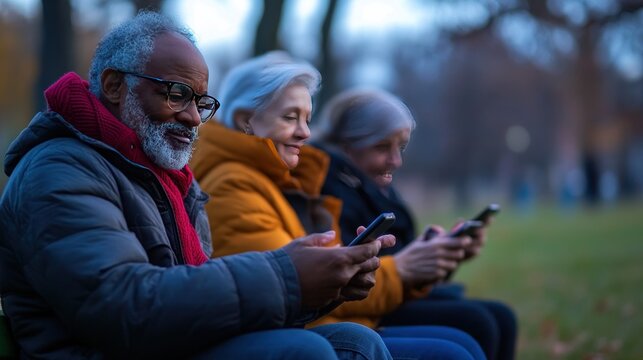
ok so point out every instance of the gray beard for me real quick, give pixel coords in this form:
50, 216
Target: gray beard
156, 145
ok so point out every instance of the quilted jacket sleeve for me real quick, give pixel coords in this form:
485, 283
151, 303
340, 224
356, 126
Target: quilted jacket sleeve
64, 222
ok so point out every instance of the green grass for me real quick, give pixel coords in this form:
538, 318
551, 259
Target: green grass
575, 280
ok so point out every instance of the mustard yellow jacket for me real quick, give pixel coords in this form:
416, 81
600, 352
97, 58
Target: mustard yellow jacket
245, 178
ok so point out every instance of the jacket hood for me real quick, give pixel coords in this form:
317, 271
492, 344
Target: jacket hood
43, 127
218, 144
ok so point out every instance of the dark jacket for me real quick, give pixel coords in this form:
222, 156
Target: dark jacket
90, 261
363, 201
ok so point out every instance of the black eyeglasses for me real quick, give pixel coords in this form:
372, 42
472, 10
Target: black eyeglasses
180, 95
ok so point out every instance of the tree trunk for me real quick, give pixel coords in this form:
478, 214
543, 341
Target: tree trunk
327, 65
592, 109
267, 37
56, 47
153, 5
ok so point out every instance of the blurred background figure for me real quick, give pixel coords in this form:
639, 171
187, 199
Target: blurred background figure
533, 104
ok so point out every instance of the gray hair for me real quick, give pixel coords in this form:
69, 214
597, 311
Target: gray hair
254, 84
129, 46
359, 118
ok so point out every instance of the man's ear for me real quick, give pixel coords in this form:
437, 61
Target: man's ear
112, 85
241, 120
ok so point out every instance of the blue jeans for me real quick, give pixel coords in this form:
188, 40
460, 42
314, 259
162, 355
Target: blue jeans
335, 341
430, 342
491, 323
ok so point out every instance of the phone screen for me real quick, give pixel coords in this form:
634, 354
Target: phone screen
467, 228
375, 229
487, 213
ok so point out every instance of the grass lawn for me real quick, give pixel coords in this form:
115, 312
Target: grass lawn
575, 280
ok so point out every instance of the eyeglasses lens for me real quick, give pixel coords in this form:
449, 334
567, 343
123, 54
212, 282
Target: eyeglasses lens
179, 97
206, 106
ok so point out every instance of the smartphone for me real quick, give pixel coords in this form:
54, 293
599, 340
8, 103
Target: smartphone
430, 234
375, 229
467, 228
488, 212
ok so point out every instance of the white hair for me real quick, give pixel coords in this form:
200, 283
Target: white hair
129, 46
255, 83
362, 117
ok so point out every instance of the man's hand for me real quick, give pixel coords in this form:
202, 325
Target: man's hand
329, 273
364, 280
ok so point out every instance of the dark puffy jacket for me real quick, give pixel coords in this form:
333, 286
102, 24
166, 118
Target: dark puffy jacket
90, 262
363, 201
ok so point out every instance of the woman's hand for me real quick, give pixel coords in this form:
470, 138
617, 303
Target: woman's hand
478, 240
426, 262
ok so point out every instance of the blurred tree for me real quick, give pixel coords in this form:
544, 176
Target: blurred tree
56, 45
154, 5
18, 69
327, 63
586, 93
267, 39
563, 38
267, 35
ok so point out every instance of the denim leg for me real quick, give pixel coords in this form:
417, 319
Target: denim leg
278, 344
507, 325
468, 316
354, 341
446, 334
403, 348
447, 291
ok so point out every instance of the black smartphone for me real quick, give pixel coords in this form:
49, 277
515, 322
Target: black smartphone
375, 229
488, 212
467, 228
430, 234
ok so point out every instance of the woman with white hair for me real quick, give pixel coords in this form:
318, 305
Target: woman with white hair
265, 182
365, 132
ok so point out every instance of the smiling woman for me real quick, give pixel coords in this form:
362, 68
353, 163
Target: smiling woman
247, 164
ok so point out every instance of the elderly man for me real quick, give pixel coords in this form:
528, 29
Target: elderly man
104, 243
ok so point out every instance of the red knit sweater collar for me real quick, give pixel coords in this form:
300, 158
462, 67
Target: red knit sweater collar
71, 98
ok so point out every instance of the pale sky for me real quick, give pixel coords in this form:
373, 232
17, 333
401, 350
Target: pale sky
226, 27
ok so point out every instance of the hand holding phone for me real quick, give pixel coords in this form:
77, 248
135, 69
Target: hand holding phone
375, 228
488, 212
467, 228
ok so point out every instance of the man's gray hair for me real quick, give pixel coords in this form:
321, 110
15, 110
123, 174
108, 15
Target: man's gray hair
254, 84
129, 46
359, 118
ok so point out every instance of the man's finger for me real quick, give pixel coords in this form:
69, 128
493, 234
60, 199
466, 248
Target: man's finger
387, 240
317, 239
360, 253
369, 265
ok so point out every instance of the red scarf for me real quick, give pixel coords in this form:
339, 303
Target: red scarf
70, 97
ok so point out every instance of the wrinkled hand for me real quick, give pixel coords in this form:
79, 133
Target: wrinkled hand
478, 240
329, 273
425, 262
363, 281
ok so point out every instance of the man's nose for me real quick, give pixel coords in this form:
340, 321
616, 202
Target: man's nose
190, 116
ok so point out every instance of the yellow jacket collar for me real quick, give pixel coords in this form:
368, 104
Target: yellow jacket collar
218, 144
